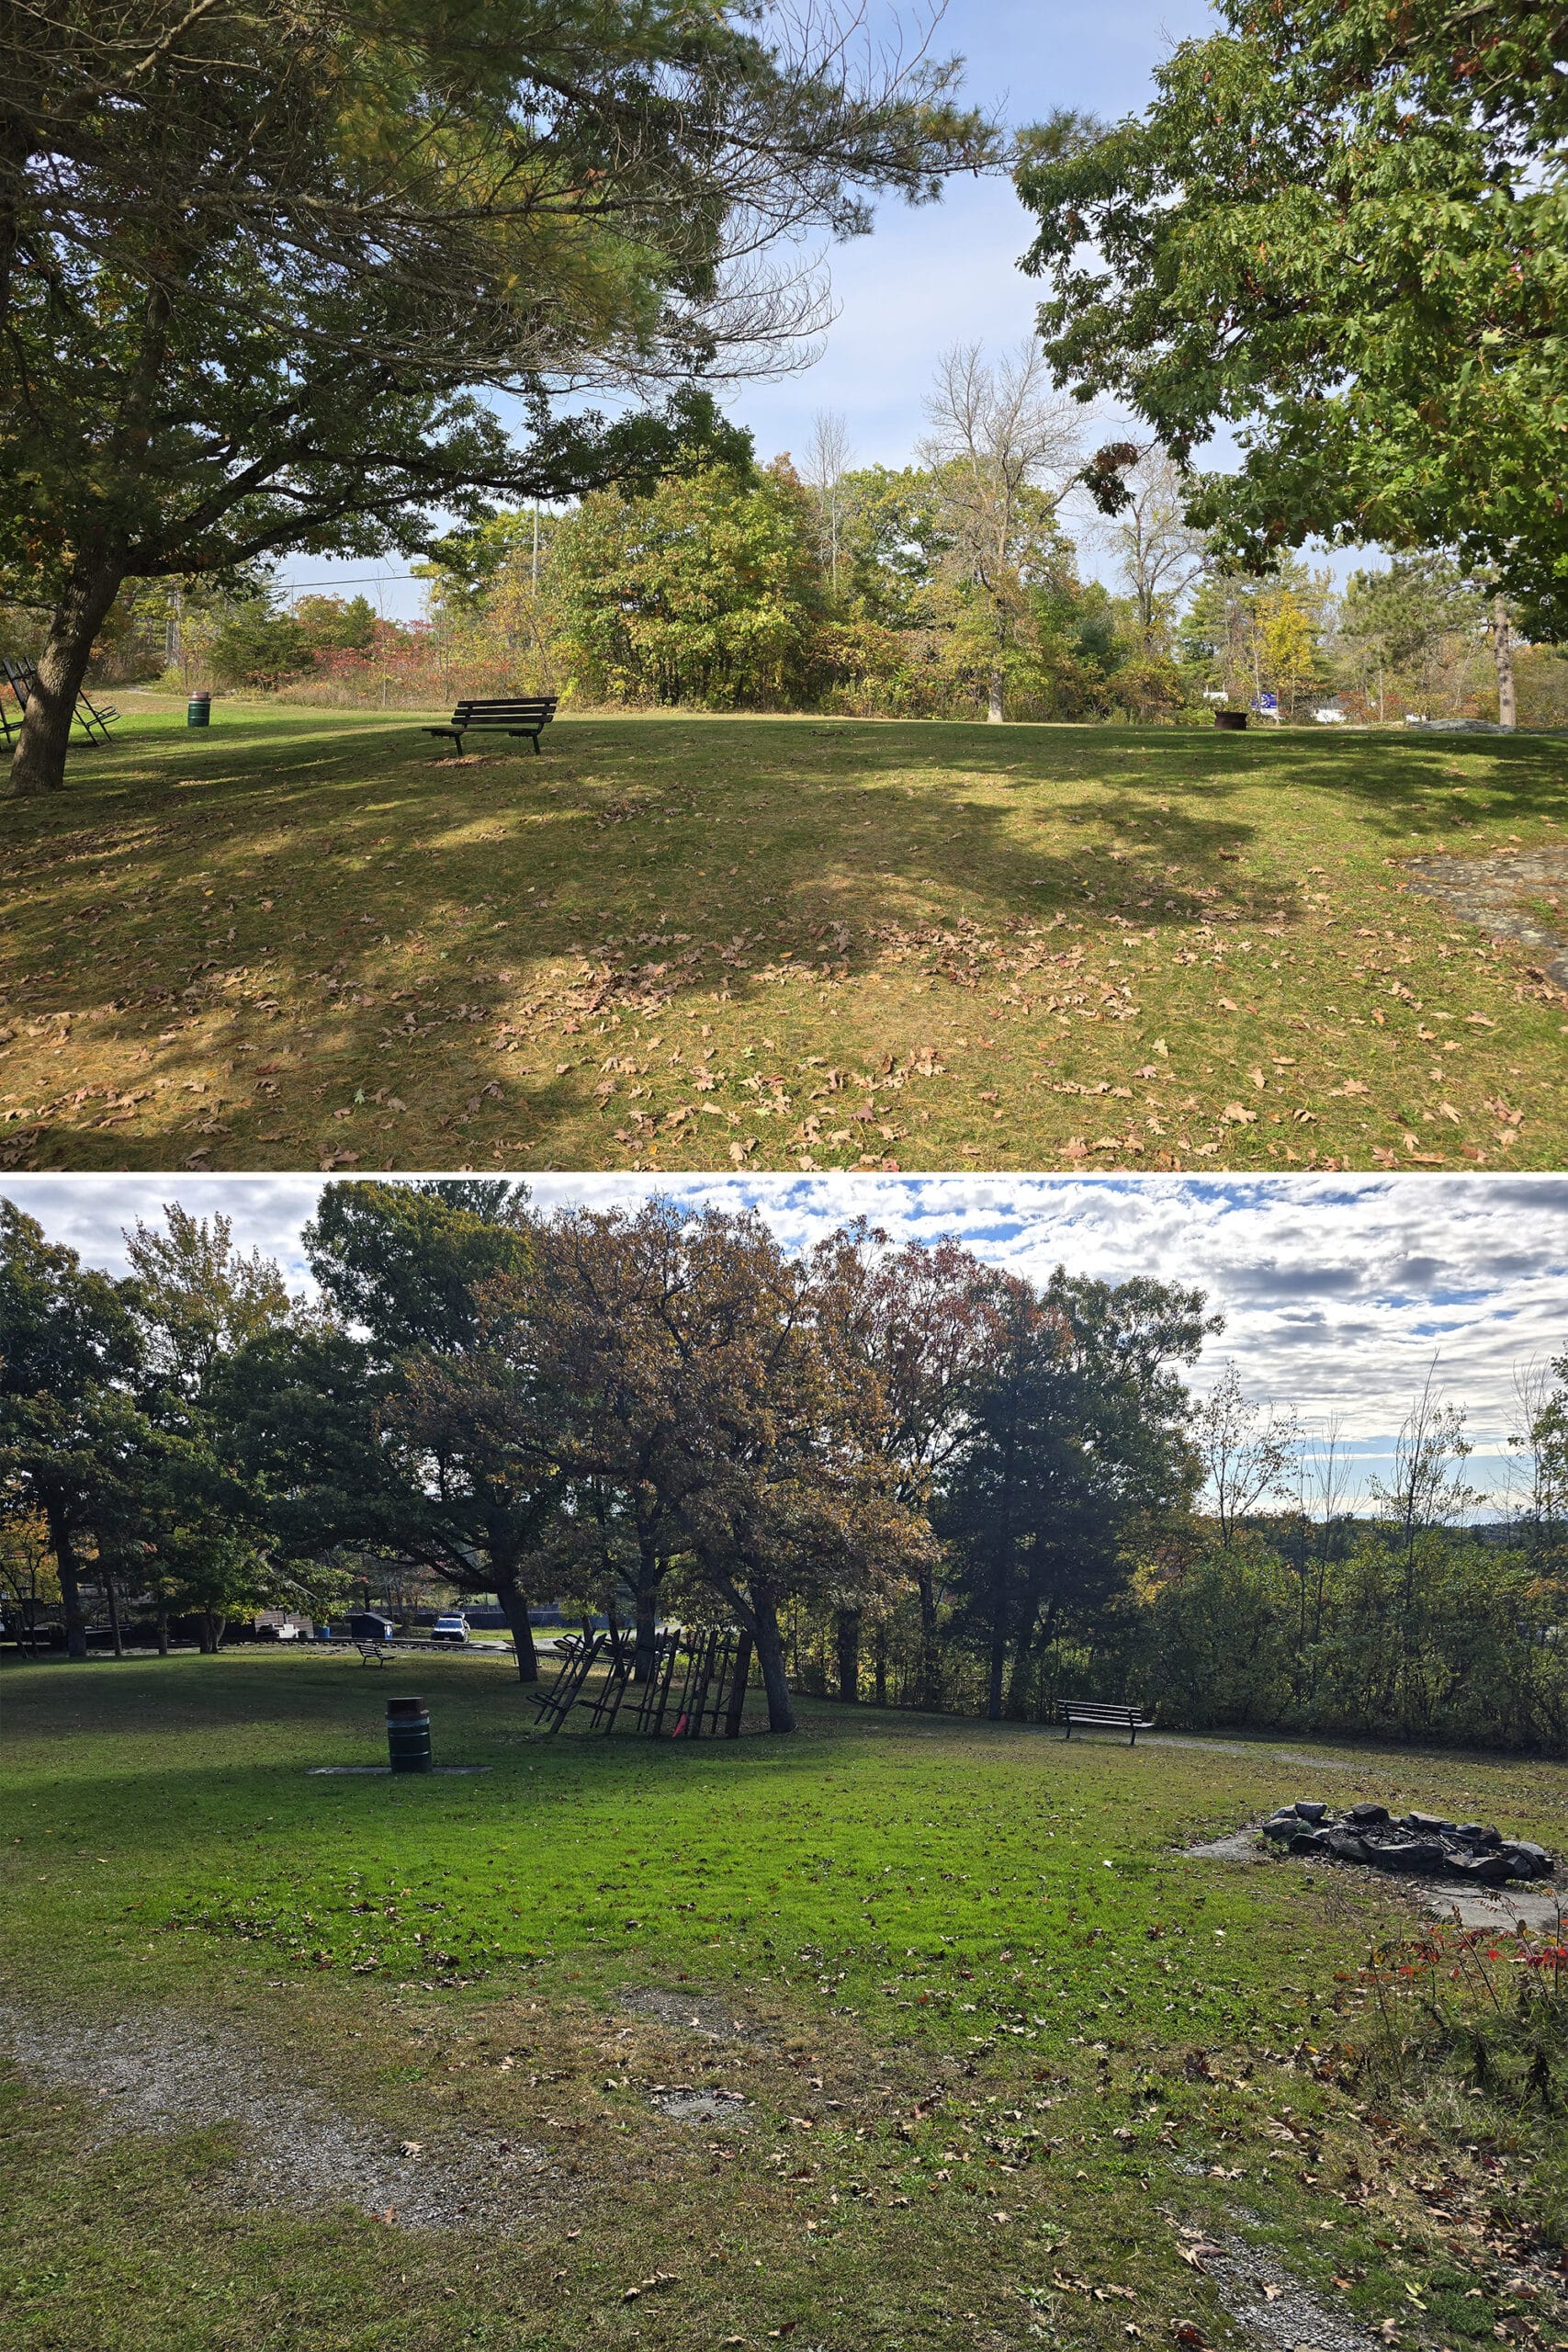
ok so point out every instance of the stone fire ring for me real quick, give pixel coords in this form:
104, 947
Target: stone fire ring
1417, 1844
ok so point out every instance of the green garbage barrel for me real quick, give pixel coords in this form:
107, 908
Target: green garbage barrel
408, 1735
198, 711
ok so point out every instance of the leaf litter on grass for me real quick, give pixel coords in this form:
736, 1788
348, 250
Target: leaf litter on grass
843, 1877
860, 951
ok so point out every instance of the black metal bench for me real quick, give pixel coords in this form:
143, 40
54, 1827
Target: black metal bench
507, 714
1094, 1715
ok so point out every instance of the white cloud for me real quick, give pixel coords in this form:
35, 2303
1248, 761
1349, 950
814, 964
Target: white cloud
1336, 1292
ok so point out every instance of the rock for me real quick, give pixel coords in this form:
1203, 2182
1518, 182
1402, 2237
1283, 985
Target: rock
1419, 1844
1481, 1869
1409, 1854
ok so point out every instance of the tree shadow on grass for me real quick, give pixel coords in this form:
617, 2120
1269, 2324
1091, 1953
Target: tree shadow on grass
332, 894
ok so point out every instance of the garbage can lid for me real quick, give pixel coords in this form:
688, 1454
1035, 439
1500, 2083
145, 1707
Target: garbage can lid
406, 1707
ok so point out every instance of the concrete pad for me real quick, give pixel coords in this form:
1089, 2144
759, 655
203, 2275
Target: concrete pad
1536, 1905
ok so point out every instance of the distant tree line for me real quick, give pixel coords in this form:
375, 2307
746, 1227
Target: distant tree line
912, 1478
951, 588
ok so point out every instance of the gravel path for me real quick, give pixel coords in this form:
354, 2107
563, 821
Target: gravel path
158, 2073
1264, 2298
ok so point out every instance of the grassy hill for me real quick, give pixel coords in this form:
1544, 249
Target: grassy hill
904, 2032
316, 939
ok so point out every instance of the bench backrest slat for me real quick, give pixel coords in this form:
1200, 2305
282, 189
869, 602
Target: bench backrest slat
519, 706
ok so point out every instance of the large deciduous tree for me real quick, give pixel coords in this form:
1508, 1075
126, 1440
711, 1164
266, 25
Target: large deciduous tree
1001, 449
189, 1530
928, 1319
1337, 232
364, 1432
713, 1381
706, 591
257, 266
71, 1433
1079, 1437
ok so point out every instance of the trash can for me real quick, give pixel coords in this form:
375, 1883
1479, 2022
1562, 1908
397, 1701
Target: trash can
198, 711
1231, 720
408, 1735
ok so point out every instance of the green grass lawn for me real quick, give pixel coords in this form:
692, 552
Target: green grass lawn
1003, 2052
309, 939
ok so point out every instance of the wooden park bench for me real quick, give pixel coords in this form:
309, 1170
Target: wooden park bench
1094, 1715
373, 1652
509, 715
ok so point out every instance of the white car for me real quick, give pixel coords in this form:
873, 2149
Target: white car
452, 1628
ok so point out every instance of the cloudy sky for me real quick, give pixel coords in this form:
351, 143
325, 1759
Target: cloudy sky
1337, 1293
934, 274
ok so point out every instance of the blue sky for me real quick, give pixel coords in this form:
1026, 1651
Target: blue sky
1337, 1293
935, 274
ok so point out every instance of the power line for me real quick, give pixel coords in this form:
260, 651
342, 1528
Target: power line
365, 580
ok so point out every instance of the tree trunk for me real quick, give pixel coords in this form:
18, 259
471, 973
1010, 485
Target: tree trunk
737, 1708
1503, 656
1001, 1594
163, 1632
930, 1661
38, 763
847, 1631
994, 712
646, 1633
69, 1592
514, 1609
770, 1657
998, 1653
879, 1663
114, 1617
1022, 1665
647, 1599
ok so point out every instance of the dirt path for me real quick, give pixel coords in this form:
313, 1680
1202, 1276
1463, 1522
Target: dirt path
158, 2073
